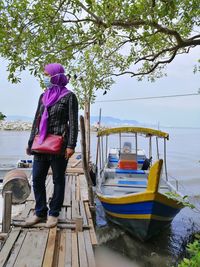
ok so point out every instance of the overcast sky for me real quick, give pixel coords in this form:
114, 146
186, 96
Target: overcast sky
21, 99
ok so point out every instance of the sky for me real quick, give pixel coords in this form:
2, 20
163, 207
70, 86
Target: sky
21, 99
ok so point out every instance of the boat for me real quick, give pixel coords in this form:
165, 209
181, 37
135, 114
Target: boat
135, 192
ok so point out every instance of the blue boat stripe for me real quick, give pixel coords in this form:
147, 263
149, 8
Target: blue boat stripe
129, 171
116, 160
132, 182
113, 160
140, 161
148, 207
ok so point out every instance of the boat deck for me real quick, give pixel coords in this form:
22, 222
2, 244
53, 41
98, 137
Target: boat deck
126, 181
71, 243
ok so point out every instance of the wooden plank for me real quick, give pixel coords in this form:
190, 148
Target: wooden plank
83, 188
90, 222
74, 164
5, 251
51, 185
87, 209
75, 209
92, 232
69, 213
24, 214
3, 236
82, 250
34, 245
75, 170
62, 214
48, 192
73, 189
75, 256
56, 254
89, 249
49, 188
61, 249
49, 252
68, 249
16, 249
67, 198
83, 213
77, 188
66, 190
79, 224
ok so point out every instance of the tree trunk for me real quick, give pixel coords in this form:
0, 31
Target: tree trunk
87, 128
85, 162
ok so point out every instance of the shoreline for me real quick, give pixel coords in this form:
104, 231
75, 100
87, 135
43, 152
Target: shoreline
15, 126
25, 126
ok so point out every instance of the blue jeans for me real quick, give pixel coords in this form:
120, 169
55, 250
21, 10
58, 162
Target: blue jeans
40, 171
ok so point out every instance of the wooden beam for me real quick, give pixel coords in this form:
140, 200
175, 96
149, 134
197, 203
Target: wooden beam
68, 249
89, 249
61, 249
85, 161
79, 224
49, 252
16, 249
33, 249
7, 210
75, 256
5, 251
82, 251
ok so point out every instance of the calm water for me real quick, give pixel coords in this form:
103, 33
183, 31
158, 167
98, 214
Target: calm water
117, 248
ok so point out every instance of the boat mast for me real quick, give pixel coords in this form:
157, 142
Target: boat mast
150, 146
158, 156
98, 140
136, 145
102, 151
106, 146
120, 142
165, 159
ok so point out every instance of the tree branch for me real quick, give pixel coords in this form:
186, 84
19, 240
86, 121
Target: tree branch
99, 20
153, 57
133, 74
60, 6
194, 37
78, 20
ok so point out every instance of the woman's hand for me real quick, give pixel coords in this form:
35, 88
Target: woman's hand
69, 152
28, 151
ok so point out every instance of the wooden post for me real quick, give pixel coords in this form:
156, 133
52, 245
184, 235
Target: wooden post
7, 210
85, 162
87, 128
79, 224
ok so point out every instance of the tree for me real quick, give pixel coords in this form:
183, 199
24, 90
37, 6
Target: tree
148, 34
89, 77
2, 116
98, 38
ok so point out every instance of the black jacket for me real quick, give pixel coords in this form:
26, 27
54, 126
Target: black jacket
62, 119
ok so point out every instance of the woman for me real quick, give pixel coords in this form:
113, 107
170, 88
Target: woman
57, 113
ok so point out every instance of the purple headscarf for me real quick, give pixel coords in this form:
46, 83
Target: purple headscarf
53, 94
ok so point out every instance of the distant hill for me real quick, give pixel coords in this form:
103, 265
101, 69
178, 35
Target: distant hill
18, 118
106, 121
110, 121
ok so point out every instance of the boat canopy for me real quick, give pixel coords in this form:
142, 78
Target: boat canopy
141, 130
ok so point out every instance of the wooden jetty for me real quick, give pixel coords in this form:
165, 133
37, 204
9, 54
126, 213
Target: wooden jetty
70, 244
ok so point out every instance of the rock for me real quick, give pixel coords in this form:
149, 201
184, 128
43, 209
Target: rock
15, 126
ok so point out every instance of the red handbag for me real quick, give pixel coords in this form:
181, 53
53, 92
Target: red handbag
52, 144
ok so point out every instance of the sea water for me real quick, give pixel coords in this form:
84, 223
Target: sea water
117, 247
